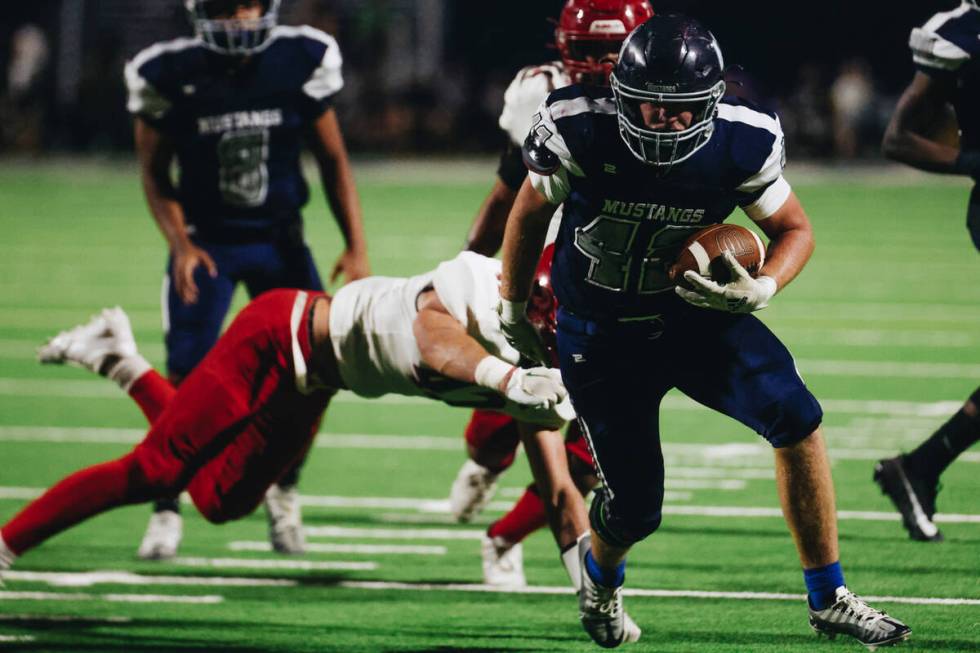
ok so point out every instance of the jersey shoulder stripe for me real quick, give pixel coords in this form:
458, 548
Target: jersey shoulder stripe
144, 75
947, 40
325, 78
757, 143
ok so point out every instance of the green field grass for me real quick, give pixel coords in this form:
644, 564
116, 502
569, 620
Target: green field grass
884, 322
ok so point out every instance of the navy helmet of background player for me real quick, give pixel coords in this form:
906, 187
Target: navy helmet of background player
946, 53
235, 106
588, 36
637, 168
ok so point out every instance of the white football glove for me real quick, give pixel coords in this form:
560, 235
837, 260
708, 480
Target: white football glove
742, 295
540, 396
519, 332
535, 395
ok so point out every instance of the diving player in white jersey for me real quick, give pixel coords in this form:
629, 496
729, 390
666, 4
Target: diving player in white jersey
245, 414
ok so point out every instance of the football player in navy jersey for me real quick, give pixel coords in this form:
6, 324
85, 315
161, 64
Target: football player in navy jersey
235, 106
638, 168
946, 53
588, 36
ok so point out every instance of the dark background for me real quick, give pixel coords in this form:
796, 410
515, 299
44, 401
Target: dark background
791, 53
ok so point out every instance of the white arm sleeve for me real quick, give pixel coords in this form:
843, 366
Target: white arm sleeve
326, 80
771, 200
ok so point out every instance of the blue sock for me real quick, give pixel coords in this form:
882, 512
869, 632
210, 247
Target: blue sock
606, 577
821, 583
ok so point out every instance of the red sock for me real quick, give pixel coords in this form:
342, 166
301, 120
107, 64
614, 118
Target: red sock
74, 499
492, 439
152, 393
524, 518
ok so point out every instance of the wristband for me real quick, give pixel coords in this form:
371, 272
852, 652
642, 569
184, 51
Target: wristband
491, 372
512, 312
968, 163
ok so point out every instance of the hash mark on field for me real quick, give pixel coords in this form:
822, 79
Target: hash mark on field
637, 592
368, 549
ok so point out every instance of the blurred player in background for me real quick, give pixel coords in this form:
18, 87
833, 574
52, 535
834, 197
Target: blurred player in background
638, 168
946, 52
234, 107
588, 37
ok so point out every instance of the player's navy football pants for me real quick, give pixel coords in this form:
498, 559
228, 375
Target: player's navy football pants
191, 330
617, 374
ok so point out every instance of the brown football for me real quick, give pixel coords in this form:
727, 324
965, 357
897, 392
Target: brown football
702, 253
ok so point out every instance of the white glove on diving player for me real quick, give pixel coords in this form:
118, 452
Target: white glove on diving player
535, 395
519, 332
742, 295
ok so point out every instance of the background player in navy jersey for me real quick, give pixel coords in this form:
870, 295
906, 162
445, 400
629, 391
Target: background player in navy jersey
588, 36
637, 168
945, 51
235, 106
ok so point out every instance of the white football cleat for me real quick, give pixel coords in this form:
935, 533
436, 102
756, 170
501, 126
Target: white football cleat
600, 608
96, 345
472, 490
285, 520
163, 535
850, 615
503, 563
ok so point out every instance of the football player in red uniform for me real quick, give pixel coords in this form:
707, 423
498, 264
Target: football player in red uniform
588, 37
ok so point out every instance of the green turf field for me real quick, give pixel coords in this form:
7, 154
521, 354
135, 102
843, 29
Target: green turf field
884, 322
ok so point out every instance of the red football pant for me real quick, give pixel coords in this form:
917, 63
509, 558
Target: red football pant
492, 437
236, 423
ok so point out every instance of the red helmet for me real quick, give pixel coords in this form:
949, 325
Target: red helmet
542, 307
590, 30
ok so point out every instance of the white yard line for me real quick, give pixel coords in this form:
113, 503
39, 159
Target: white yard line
90, 578
395, 533
262, 563
113, 598
100, 388
367, 549
638, 592
64, 618
10, 639
722, 454
410, 503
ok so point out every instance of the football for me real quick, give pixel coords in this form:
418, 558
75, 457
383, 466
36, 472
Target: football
702, 253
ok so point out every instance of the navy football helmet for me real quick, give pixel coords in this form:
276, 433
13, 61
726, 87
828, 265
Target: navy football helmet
232, 36
674, 62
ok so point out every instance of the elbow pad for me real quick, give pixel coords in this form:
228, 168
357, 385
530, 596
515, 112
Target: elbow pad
537, 157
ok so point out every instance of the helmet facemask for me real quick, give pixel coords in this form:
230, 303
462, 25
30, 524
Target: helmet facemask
590, 61
232, 36
664, 148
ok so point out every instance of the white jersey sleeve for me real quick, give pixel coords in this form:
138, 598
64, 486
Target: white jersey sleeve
469, 287
326, 80
556, 186
939, 45
525, 94
143, 96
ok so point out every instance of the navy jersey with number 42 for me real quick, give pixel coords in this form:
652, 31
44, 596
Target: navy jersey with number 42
238, 125
624, 220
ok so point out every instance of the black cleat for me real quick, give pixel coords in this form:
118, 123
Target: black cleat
914, 498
